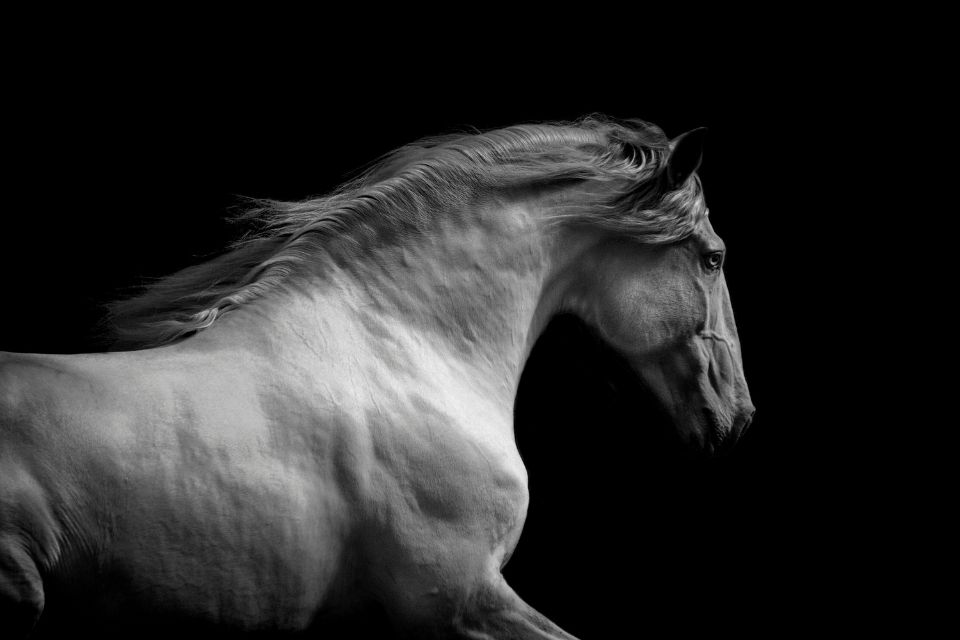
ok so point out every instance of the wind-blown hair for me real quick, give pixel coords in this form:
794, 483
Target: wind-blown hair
617, 163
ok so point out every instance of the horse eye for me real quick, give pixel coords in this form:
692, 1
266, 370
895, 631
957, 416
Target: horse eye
713, 260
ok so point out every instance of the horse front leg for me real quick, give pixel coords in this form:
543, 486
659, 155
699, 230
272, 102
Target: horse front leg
474, 606
496, 612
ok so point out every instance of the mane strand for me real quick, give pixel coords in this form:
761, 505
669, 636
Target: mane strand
405, 191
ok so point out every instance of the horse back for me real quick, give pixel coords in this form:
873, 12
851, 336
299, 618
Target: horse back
166, 477
34, 466
47, 406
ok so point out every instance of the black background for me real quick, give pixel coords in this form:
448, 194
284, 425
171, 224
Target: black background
122, 168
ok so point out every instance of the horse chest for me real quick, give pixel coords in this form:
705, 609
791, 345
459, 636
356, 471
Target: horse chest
438, 470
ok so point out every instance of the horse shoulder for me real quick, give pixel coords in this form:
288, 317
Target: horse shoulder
443, 470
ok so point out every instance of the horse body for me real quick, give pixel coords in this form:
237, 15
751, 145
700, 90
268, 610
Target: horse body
347, 438
131, 476
273, 453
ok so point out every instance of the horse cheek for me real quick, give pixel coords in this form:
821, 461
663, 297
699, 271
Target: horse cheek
641, 319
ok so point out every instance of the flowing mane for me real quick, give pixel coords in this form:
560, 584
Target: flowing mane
405, 192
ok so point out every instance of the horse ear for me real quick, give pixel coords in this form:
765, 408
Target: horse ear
685, 156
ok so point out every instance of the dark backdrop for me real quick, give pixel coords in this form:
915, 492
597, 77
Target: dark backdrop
119, 170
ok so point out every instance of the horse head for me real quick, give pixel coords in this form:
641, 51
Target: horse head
665, 307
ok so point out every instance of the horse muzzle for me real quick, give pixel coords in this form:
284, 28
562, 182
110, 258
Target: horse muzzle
711, 435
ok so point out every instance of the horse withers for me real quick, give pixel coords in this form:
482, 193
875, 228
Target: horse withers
322, 417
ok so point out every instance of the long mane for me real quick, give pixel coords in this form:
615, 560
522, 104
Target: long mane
406, 191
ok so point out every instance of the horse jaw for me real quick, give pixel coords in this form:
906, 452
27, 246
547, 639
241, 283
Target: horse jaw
702, 387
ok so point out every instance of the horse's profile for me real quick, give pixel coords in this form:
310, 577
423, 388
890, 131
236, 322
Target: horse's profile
322, 417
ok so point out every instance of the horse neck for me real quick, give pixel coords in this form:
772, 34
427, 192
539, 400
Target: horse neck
476, 291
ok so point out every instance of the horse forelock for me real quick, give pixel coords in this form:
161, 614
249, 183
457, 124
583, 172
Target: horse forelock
407, 190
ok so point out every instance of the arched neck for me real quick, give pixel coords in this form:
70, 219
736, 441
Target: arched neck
474, 293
